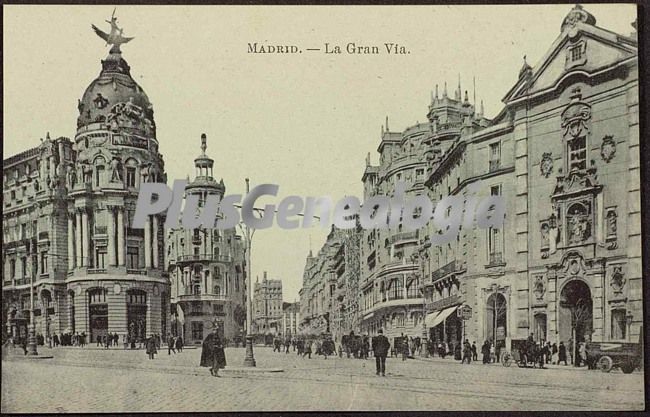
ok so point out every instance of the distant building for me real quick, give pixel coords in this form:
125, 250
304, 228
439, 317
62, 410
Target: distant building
290, 319
206, 268
267, 306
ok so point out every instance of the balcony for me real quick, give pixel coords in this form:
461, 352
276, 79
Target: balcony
403, 236
204, 257
203, 297
451, 268
494, 165
137, 271
100, 230
96, 271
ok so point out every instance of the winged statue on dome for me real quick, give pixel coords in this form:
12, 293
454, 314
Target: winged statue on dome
114, 38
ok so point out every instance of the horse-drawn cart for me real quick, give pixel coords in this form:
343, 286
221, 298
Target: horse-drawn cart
608, 355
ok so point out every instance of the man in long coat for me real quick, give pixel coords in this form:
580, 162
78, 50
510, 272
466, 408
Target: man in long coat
212, 353
151, 347
380, 347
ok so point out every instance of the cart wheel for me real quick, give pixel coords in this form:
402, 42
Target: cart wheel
506, 359
605, 363
627, 368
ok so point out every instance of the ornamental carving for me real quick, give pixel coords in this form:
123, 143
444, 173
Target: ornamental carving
575, 118
100, 101
116, 168
617, 281
608, 148
539, 287
546, 165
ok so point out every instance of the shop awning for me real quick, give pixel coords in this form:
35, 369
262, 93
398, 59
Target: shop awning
443, 315
430, 318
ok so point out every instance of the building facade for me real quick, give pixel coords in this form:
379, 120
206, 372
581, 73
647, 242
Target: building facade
206, 268
290, 319
267, 306
67, 219
563, 157
329, 297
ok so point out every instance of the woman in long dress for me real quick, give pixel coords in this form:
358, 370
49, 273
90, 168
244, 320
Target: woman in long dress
212, 353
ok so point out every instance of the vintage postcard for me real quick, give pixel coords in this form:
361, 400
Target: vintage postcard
321, 208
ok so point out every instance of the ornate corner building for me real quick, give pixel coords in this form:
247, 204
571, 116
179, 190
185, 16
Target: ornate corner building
206, 268
564, 155
67, 214
268, 314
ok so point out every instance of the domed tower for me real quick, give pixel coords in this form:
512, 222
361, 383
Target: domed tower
206, 267
116, 273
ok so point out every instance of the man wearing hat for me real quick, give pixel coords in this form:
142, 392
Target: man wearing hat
380, 347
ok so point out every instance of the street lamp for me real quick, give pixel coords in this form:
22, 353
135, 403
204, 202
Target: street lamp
31, 337
249, 359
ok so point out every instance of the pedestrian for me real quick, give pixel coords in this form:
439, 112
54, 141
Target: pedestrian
561, 354
287, 344
125, 340
308, 345
570, 351
554, 352
179, 343
403, 347
493, 357
474, 352
107, 340
467, 352
458, 352
380, 347
218, 354
151, 346
485, 351
582, 351
171, 344
365, 346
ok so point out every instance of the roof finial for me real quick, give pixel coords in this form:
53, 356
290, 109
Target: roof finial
466, 97
444, 92
436, 91
458, 92
204, 144
387, 129
47, 136
367, 164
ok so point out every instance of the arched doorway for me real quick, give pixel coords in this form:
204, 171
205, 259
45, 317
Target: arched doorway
496, 316
575, 312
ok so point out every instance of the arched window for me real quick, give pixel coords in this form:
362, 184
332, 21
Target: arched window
97, 296
131, 175
217, 290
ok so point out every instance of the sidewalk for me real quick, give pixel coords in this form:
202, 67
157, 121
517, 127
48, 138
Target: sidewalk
449, 360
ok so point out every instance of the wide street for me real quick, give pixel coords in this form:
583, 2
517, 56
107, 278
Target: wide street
94, 380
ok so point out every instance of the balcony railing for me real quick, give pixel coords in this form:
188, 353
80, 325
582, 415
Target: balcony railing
100, 230
445, 270
203, 297
204, 257
96, 270
136, 271
494, 165
403, 236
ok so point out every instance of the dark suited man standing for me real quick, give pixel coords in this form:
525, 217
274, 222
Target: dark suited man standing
380, 347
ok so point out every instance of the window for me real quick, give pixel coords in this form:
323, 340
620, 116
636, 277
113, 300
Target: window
132, 257
12, 268
99, 172
137, 297
217, 308
495, 155
101, 257
576, 53
197, 330
23, 231
23, 264
618, 324
419, 173
130, 176
97, 296
577, 150
217, 290
44, 266
13, 194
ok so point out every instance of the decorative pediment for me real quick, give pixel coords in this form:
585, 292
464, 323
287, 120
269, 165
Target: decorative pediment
581, 49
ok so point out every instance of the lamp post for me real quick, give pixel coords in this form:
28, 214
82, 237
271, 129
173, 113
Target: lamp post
249, 359
31, 337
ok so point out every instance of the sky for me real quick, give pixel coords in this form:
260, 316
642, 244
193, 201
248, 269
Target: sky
302, 121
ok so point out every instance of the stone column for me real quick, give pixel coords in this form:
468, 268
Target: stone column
71, 237
147, 243
111, 237
120, 236
85, 243
155, 241
79, 254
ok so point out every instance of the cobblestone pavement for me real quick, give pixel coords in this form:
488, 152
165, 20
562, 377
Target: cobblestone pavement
93, 380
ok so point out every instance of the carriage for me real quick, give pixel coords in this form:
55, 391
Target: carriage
609, 355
